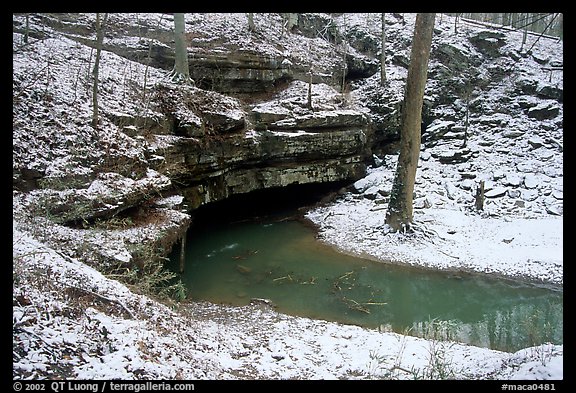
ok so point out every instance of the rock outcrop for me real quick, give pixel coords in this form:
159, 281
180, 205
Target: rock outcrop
273, 144
296, 101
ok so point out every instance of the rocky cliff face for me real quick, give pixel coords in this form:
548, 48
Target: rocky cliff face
297, 101
212, 144
215, 147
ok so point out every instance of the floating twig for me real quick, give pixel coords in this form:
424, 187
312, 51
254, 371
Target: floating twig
312, 281
345, 275
287, 277
355, 305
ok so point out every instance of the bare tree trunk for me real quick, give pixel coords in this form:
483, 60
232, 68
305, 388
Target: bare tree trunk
251, 26
309, 98
145, 84
467, 119
515, 17
524, 36
345, 50
383, 54
181, 71
400, 208
289, 22
27, 28
309, 104
479, 199
99, 39
534, 21
182, 253
456, 23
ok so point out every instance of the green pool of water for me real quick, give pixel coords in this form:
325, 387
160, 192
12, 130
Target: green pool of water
285, 263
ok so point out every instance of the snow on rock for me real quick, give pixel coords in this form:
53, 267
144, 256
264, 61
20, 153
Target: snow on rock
107, 195
71, 321
374, 179
169, 202
496, 192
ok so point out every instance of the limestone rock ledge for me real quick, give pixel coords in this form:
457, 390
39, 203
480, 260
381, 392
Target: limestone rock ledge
152, 229
278, 142
241, 163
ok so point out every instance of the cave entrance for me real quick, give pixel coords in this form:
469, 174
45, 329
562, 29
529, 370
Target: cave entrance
278, 202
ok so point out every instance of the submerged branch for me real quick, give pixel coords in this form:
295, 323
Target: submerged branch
345, 275
354, 305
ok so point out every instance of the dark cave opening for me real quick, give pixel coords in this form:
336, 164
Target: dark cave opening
288, 201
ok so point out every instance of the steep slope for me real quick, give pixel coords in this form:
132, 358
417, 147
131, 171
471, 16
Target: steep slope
117, 197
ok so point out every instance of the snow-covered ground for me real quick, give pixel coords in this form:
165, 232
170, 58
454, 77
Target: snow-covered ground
97, 328
449, 237
71, 321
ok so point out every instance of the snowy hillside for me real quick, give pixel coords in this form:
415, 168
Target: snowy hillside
91, 207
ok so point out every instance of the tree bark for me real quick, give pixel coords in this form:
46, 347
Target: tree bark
27, 28
99, 39
399, 215
309, 103
383, 54
456, 23
251, 25
182, 253
181, 72
345, 52
524, 36
479, 199
148, 58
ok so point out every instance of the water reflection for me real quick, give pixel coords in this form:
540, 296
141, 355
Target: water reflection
509, 329
283, 262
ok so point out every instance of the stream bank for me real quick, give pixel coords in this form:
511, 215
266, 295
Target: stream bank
276, 260
65, 172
